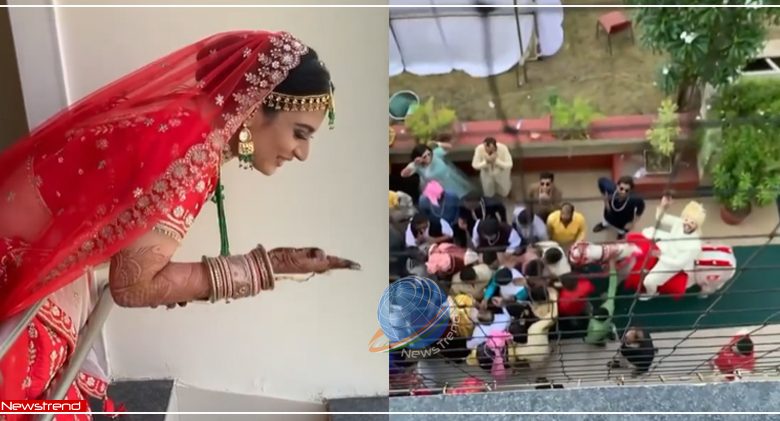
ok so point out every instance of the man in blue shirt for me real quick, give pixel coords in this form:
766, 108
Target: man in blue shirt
506, 286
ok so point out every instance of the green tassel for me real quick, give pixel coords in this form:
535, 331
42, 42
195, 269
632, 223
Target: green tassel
219, 199
331, 118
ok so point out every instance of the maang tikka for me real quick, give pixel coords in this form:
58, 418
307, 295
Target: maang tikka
246, 149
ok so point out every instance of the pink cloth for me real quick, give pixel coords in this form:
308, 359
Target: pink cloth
445, 259
433, 191
497, 343
470, 385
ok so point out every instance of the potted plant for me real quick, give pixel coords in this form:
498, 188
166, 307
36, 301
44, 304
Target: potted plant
746, 166
659, 157
429, 123
747, 171
571, 120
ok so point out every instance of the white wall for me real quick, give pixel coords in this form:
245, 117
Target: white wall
301, 341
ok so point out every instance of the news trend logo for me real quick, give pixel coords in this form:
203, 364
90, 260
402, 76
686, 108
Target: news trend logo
413, 313
44, 406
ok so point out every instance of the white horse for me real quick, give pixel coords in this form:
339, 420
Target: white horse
714, 266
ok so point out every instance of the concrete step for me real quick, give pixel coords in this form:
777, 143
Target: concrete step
377, 404
138, 396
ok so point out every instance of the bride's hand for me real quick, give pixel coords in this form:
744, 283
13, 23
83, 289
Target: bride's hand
288, 260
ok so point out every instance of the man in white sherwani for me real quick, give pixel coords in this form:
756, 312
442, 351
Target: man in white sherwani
679, 245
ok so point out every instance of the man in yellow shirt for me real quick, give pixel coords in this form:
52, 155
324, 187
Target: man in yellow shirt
566, 226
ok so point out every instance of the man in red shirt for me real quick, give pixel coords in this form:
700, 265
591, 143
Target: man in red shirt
573, 304
737, 355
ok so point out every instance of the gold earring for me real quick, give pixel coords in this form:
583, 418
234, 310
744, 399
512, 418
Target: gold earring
246, 148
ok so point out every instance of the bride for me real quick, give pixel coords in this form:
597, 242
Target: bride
119, 178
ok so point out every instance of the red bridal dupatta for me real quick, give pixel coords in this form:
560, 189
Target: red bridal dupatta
140, 153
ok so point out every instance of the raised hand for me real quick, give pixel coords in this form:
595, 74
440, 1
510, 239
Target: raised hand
666, 200
306, 260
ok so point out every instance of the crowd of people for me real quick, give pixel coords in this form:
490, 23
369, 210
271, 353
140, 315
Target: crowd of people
515, 273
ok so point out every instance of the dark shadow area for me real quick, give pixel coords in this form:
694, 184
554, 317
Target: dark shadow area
13, 118
137, 396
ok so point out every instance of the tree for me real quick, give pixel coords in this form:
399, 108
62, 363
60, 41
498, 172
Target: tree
702, 45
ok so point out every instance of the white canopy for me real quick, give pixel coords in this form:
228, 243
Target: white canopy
430, 41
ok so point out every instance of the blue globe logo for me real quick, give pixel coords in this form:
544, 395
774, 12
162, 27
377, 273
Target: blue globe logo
413, 313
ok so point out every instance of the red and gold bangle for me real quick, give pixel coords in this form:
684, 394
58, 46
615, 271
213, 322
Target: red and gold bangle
223, 281
257, 273
257, 267
214, 278
265, 274
270, 276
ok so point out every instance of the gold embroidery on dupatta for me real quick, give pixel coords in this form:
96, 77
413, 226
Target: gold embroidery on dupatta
176, 223
32, 354
92, 386
58, 321
36, 181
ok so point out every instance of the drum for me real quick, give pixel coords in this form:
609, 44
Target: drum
715, 266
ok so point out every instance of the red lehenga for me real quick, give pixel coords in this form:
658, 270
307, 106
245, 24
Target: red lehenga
142, 153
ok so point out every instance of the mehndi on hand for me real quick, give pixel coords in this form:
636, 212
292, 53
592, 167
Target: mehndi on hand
289, 260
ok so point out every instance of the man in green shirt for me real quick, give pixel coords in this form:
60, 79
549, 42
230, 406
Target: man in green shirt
600, 326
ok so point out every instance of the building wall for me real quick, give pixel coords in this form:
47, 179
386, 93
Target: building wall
758, 396
38, 59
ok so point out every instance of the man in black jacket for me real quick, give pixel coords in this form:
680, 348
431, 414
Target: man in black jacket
622, 208
636, 348
473, 208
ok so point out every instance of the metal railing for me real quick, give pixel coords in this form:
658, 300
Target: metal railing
86, 338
